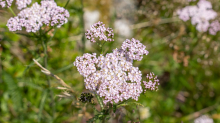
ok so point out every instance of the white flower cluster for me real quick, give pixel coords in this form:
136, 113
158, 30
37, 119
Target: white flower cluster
98, 30
34, 17
200, 16
20, 3
113, 77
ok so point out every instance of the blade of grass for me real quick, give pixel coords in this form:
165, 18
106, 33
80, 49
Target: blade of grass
66, 4
30, 65
63, 68
42, 103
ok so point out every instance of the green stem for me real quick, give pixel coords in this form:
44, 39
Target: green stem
66, 4
44, 44
103, 120
95, 110
102, 47
11, 11
83, 28
45, 53
100, 101
195, 44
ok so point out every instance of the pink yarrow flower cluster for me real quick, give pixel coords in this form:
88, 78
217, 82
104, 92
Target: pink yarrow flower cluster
152, 82
135, 50
20, 3
191, 0
23, 3
214, 27
113, 76
99, 31
200, 16
33, 18
5, 3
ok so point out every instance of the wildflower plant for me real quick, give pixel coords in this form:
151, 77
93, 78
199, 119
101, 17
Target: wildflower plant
38, 21
112, 80
112, 77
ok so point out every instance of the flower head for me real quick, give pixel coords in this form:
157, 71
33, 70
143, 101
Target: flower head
99, 31
214, 27
33, 18
5, 3
152, 82
200, 16
134, 49
113, 76
86, 64
20, 3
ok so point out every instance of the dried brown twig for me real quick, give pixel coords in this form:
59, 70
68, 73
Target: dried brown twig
199, 113
47, 72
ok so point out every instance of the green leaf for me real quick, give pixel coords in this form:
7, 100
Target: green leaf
33, 85
30, 65
114, 108
29, 36
96, 117
129, 103
13, 91
63, 69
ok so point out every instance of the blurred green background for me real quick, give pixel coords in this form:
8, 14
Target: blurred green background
186, 61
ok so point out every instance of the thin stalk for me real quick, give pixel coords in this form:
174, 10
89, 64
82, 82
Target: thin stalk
1, 68
11, 11
45, 53
195, 44
95, 110
83, 28
100, 101
44, 44
66, 4
102, 47
103, 120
